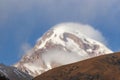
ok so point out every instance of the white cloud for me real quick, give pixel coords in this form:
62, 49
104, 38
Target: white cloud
84, 29
25, 48
62, 57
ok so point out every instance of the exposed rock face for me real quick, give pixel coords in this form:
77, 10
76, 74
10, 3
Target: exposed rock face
105, 67
59, 46
12, 73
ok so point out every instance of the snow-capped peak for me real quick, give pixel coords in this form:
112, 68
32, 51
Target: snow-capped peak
62, 44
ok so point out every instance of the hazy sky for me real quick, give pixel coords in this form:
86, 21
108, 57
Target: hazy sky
22, 22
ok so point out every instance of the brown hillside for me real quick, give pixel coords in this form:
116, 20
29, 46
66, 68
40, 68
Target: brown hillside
106, 67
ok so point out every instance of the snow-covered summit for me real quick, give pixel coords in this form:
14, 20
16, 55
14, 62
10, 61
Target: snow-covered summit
77, 28
62, 44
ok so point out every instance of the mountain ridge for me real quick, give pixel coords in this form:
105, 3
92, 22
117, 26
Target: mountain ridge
59, 46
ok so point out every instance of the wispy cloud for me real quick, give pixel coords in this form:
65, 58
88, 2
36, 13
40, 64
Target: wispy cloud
25, 48
81, 9
62, 57
85, 29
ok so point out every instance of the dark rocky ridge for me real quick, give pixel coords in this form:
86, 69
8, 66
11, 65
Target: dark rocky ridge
105, 67
12, 73
2, 77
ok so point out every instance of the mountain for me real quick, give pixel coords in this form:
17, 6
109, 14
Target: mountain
12, 73
105, 67
60, 45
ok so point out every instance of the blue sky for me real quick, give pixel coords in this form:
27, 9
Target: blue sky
22, 22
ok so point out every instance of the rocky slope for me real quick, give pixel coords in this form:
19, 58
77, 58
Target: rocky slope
12, 73
59, 46
105, 67
3, 77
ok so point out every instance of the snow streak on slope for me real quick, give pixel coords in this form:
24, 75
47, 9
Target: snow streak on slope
62, 44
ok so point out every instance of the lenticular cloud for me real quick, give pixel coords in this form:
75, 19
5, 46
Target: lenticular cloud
85, 29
